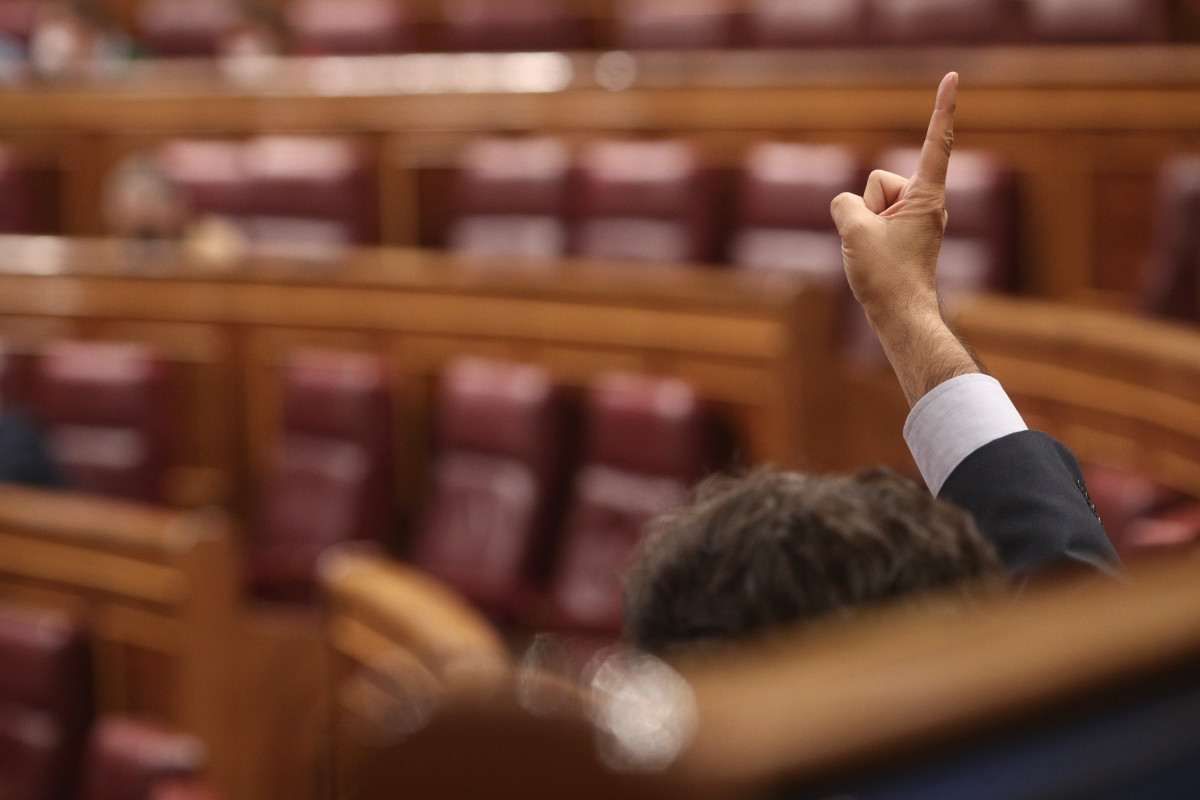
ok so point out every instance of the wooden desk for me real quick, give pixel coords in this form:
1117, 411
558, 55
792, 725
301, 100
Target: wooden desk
757, 347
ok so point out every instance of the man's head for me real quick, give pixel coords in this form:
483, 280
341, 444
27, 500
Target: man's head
773, 547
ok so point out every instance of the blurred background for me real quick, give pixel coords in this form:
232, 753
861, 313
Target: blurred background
348, 345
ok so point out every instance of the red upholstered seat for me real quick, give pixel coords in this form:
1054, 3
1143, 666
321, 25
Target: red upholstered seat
1122, 498
647, 441
106, 408
349, 27
128, 758
19, 18
1176, 527
645, 201
186, 27
16, 376
783, 208
797, 23
20, 196
311, 190
330, 478
943, 21
495, 476
1098, 20
510, 197
1169, 285
513, 25
211, 174
45, 704
675, 24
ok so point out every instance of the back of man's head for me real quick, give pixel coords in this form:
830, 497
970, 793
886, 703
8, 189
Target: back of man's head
752, 553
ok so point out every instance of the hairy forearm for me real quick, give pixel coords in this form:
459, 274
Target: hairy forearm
923, 350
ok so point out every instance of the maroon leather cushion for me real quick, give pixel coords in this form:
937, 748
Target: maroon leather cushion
675, 24
1176, 527
31, 755
793, 23
126, 758
944, 21
648, 426
1098, 20
186, 27
513, 25
106, 409
211, 174
1122, 497
349, 27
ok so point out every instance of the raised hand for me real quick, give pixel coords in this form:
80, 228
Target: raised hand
891, 235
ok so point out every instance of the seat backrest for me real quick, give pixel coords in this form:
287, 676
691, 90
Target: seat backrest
645, 201
106, 408
16, 376
499, 445
18, 211
348, 27
1098, 20
675, 24
510, 198
1168, 286
943, 21
19, 18
646, 441
309, 179
45, 703
174, 28
783, 219
796, 23
331, 479
513, 25
210, 173
127, 757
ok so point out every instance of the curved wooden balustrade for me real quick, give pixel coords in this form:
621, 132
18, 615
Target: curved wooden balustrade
1117, 389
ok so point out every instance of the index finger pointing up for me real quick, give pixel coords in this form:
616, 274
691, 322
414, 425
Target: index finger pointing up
935, 153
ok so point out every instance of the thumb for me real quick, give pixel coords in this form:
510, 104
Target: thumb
850, 213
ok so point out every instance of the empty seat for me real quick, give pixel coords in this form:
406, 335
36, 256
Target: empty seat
106, 408
796, 23
186, 27
783, 208
311, 192
513, 25
1098, 20
211, 173
330, 477
348, 27
1122, 498
129, 759
645, 201
647, 441
675, 24
510, 198
943, 21
1168, 286
499, 439
45, 704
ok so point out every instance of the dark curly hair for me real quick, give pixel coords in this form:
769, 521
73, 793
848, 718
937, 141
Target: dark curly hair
754, 552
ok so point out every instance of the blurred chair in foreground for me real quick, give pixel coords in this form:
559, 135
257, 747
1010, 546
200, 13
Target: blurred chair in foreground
510, 196
1098, 20
805, 23
330, 479
106, 407
513, 25
499, 439
348, 27
1169, 287
45, 704
132, 760
646, 201
647, 441
675, 24
783, 210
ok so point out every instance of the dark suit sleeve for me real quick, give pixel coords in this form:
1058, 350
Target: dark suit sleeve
1027, 494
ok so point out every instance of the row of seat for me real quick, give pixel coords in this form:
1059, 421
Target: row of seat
500, 521
205, 27
50, 747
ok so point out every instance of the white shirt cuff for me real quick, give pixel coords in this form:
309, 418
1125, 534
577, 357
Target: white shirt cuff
954, 420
